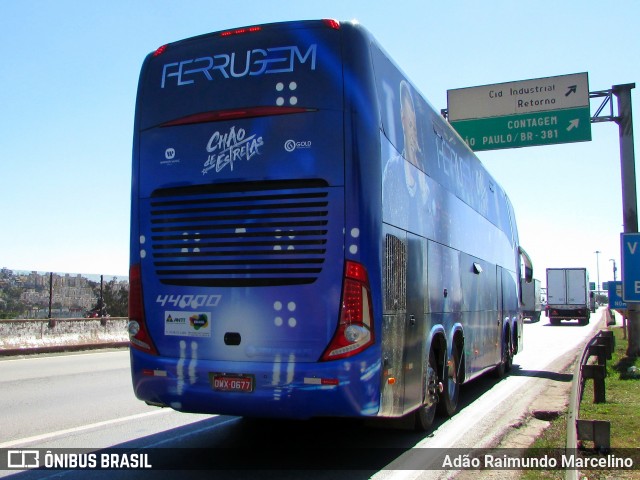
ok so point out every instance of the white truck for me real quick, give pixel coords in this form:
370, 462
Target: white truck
531, 299
568, 295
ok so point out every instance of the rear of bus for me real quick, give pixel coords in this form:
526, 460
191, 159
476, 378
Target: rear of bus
248, 293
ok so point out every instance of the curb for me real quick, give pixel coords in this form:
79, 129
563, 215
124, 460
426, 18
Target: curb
11, 352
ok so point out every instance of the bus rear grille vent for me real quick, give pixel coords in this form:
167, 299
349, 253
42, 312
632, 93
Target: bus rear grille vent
240, 234
395, 275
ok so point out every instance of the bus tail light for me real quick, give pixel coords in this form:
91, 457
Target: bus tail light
160, 50
355, 329
241, 31
138, 333
331, 23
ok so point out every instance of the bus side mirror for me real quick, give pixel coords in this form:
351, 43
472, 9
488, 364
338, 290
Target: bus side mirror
528, 265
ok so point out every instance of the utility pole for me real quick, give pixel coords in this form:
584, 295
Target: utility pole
629, 196
101, 303
50, 293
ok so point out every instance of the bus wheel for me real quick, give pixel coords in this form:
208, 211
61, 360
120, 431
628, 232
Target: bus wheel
508, 346
425, 415
448, 403
506, 359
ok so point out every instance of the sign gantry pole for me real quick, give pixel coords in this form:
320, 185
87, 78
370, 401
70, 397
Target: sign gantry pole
629, 202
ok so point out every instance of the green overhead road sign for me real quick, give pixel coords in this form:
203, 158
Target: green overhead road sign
542, 128
541, 111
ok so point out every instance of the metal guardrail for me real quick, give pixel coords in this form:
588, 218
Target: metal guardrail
601, 346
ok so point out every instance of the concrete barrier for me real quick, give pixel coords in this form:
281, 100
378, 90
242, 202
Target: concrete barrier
18, 337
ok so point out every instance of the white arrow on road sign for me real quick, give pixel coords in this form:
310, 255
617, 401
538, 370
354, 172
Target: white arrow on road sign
573, 124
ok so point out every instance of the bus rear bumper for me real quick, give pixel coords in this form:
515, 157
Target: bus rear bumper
567, 313
342, 388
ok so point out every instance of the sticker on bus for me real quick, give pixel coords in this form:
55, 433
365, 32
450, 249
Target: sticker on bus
187, 324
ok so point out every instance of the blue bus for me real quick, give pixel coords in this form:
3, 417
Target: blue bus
309, 237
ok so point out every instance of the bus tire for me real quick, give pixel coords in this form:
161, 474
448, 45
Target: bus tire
426, 413
506, 357
509, 346
448, 403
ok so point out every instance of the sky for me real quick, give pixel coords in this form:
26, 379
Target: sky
68, 80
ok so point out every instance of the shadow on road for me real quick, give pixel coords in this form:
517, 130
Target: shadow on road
225, 447
236, 448
555, 376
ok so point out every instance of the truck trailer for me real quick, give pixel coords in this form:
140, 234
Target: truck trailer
568, 295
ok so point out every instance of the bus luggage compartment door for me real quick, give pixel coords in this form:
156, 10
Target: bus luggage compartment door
403, 323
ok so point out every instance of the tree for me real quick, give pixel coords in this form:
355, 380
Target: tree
10, 304
115, 298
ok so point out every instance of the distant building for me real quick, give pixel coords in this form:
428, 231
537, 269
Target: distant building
72, 294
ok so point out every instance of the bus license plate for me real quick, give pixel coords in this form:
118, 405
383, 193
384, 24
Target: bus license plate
232, 383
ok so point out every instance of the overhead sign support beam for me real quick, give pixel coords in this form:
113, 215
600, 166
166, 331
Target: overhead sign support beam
608, 100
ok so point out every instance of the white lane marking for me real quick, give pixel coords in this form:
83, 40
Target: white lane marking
51, 358
60, 433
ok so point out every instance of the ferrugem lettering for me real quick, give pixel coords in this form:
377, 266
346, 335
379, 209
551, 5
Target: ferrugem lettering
254, 62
